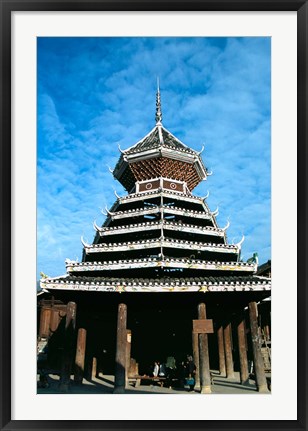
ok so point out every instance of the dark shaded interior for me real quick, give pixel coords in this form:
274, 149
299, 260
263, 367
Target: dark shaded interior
161, 325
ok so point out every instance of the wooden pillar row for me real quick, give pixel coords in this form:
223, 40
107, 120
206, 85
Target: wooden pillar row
120, 366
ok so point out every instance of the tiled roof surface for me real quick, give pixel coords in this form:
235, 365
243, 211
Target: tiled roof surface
154, 140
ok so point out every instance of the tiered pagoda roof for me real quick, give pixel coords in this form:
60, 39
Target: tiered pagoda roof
160, 237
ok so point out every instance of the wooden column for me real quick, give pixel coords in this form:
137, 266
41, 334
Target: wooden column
256, 348
80, 355
267, 332
69, 336
128, 354
242, 347
228, 350
54, 320
266, 325
44, 322
204, 361
221, 351
94, 368
119, 381
195, 346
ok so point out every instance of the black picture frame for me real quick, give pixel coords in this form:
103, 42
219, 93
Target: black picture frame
7, 7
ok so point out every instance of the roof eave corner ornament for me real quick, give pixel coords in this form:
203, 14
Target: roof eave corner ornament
226, 227
109, 212
85, 244
121, 151
201, 151
158, 115
206, 196
116, 195
239, 244
69, 261
96, 227
216, 212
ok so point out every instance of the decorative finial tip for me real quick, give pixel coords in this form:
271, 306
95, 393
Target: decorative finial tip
158, 116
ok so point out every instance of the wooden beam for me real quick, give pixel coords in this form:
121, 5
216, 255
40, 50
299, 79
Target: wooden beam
204, 361
256, 349
120, 366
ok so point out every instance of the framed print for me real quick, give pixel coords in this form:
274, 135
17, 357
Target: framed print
178, 308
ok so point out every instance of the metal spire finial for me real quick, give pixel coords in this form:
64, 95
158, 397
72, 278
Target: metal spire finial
158, 116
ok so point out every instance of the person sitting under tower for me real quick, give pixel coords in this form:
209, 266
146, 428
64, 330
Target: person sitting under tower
191, 371
156, 368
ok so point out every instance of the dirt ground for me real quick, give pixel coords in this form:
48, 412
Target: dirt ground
105, 384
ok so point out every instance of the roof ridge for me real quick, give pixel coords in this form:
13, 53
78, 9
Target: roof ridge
140, 140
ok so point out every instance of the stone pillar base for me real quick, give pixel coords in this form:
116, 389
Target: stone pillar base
206, 390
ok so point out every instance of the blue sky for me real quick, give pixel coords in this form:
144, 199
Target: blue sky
97, 93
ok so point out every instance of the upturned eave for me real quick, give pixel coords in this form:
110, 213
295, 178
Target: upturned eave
205, 285
166, 225
190, 246
163, 263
